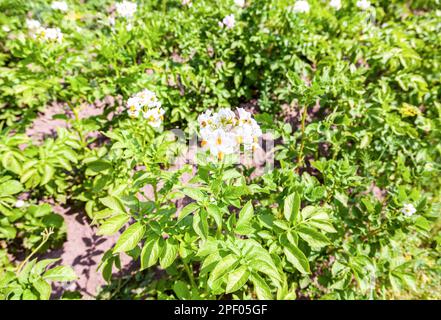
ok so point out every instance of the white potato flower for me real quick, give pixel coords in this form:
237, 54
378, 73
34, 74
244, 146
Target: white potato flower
154, 116
221, 143
133, 112
33, 24
336, 4
126, 9
408, 209
205, 119
146, 103
239, 3
223, 132
59, 5
363, 4
301, 6
186, 3
147, 97
224, 118
49, 34
229, 22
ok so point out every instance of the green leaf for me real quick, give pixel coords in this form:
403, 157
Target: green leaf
181, 290
246, 214
226, 264
130, 238
188, 209
40, 266
106, 265
43, 288
10, 162
113, 203
194, 193
8, 232
60, 273
296, 257
169, 253
112, 225
282, 224
263, 291
314, 238
28, 175
48, 173
99, 165
26, 270
237, 279
291, 207
10, 187
29, 295
216, 213
322, 225
266, 267
231, 174
200, 224
150, 253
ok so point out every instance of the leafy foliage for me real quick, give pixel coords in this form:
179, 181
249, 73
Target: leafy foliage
351, 97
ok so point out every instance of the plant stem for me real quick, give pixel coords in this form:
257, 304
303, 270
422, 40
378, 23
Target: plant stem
164, 7
302, 143
189, 273
77, 126
155, 193
46, 234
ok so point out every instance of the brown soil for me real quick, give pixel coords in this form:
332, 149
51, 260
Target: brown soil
83, 250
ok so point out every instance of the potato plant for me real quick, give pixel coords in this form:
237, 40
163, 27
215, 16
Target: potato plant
251, 149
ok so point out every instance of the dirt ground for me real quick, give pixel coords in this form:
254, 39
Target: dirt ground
83, 250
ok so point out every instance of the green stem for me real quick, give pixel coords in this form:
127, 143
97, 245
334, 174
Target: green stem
302, 144
164, 7
46, 234
155, 193
77, 125
190, 274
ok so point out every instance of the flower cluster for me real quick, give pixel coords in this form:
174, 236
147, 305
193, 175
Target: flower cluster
408, 209
126, 9
301, 6
147, 104
228, 22
224, 132
59, 5
47, 34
